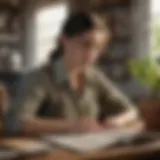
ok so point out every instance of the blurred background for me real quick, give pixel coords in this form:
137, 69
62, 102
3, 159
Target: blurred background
29, 30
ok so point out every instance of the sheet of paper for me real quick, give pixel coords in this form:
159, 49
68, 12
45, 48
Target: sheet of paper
89, 142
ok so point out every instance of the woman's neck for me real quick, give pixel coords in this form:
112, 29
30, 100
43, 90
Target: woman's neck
75, 75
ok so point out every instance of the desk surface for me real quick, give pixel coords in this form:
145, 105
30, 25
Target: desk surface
55, 153
125, 153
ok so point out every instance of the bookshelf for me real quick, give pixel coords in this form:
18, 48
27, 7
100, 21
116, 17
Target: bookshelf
11, 40
11, 35
117, 53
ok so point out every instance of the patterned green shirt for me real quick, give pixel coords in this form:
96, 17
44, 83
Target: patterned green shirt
46, 93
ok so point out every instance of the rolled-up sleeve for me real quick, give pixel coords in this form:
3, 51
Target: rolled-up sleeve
28, 96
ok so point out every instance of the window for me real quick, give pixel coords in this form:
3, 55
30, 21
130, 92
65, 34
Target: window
48, 23
155, 27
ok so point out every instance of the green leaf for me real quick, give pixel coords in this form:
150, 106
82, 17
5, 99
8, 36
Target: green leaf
146, 71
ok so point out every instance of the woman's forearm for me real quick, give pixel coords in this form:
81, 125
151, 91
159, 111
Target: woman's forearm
37, 126
137, 125
126, 118
129, 119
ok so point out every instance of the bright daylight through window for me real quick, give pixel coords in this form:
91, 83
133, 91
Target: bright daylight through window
49, 21
155, 26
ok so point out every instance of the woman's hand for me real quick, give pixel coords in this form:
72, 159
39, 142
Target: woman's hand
86, 125
111, 123
128, 120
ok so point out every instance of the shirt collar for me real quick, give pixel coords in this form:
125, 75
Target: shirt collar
60, 73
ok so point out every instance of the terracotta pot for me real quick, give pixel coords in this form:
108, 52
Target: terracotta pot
150, 112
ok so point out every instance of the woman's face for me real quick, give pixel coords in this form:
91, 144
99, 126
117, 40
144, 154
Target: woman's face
84, 49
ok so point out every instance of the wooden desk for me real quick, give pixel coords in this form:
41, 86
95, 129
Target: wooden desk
125, 153
1, 128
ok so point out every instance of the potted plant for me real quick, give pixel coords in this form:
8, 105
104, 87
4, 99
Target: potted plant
147, 71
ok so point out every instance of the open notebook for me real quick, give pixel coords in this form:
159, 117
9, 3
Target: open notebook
90, 142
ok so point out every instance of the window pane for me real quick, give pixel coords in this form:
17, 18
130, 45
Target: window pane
48, 26
155, 27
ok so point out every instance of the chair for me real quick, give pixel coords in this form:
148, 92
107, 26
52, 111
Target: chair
3, 99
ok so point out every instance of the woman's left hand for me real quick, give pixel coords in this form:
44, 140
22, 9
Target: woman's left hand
124, 120
111, 123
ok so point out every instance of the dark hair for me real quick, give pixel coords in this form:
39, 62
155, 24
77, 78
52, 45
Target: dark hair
78, 23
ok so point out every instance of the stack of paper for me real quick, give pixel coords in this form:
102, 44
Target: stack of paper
90, 142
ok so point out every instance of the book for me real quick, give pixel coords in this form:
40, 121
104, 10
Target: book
90, 141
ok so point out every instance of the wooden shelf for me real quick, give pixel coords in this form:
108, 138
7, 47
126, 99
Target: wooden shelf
12, 30
9, 38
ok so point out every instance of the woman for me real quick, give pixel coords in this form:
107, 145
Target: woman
70, 94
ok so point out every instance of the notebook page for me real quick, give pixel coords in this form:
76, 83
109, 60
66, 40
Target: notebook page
89, 142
